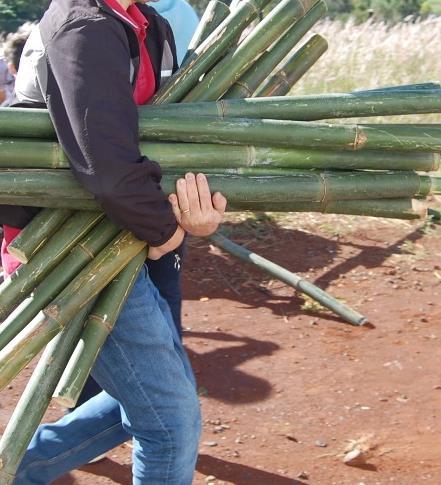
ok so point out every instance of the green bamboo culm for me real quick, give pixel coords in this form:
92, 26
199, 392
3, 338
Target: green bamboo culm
403, 87
295, 108
206, 155
247, 84
36, 233
289, 278
54, 282
293, 69
401, 208
36, 397
306, 107
55, 316
215, 13
265, 132
243, 191
99, 324
233, 65
209, 52
14, 150
17, 287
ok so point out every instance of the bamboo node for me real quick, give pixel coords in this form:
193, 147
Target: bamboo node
251, 155
86, 250
253, 6
360, 138
221, 108
248, 93
324, 199
101, 321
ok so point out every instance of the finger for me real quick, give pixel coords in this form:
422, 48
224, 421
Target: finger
173, 199
204, 193
181, 191
192, 193
219, 203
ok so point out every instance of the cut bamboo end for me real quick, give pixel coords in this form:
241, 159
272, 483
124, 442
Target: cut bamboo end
419, 208
18, 254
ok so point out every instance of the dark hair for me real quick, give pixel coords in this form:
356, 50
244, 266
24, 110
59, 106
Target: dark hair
13, 47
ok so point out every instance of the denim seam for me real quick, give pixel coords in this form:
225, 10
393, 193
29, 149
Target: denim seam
129, 366
82, 445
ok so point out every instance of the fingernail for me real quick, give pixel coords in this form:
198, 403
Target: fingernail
201, 176
181, 181
189, 176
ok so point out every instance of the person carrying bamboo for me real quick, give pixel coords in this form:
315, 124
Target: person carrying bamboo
90, 62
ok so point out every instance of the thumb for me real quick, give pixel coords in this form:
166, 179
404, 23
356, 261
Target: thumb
219, 203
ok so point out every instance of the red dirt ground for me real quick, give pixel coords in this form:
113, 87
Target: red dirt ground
287, 387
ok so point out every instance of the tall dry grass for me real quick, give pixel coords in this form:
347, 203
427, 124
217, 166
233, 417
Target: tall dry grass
375, 54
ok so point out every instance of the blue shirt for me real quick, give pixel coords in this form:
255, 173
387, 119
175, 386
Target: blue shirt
182, 19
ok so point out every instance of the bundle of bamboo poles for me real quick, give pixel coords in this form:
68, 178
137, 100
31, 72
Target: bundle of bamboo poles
215, 116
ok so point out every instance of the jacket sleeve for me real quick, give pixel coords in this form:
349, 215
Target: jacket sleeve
90, 100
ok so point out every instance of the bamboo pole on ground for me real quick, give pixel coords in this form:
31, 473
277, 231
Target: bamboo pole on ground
36, 397
233, 65
55, 316
209, 52
54, 282
206, 155
17, 287
36, 233
289, 278
99, 324
247, 84
293, 69
215, 13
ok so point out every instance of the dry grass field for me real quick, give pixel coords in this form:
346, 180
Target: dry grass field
375, 54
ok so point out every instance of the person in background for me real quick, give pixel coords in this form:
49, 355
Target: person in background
6, 82
10, 61
183, 21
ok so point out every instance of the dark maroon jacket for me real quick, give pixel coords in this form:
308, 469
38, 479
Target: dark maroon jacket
81, 62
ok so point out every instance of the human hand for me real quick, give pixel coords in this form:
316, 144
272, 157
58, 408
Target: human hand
195, 209
156, 252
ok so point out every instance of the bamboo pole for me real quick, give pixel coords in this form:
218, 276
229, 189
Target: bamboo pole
209, 52
99, 324
293, 69
247, 84
401, 208
205, 155
54, 282
54, 317
289, 278
297, 185
36, 233
206, 129
307, 107
402, 87
233, 65
17, 287
215, 13
36, 397
299, 108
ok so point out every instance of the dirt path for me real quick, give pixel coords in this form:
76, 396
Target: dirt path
286, 387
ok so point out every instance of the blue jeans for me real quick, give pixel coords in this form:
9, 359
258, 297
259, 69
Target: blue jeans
165, 275
149, 394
